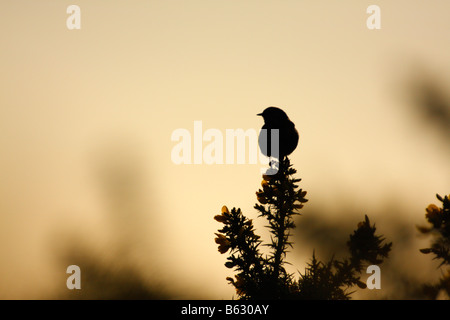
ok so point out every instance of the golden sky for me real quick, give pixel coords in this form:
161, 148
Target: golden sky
78, 105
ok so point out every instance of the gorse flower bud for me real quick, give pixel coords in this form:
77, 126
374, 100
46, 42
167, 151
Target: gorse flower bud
223, 242
223, 218
432, 211
239, 285
225, 211
260, 196
435, 215
220, 218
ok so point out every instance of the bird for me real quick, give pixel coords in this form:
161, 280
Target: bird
276, 118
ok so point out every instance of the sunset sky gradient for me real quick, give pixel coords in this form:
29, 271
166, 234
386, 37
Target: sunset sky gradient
77, 106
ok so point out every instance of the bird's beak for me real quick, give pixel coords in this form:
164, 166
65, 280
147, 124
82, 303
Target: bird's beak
259, 114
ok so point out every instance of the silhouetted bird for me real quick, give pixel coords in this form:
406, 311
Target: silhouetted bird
275, 118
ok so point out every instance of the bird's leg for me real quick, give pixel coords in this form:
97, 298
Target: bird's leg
273, 166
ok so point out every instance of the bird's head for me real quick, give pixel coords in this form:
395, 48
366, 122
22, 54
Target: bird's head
273, 114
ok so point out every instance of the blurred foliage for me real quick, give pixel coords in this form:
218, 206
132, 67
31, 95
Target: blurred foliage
438, 229
118, 269
109, 279
433, 103
262, 276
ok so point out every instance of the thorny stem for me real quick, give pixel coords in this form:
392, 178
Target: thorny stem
281, 221
281, 241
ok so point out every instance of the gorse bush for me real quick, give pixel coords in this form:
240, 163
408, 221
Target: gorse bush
438, 228
263, 276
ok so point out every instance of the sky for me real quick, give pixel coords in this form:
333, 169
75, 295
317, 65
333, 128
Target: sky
86, 119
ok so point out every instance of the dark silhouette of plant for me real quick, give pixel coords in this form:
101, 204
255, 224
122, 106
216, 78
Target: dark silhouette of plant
264, 276
439, 229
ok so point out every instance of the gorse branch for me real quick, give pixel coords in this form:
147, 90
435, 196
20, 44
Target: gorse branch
280, 201
438, 218
264, 277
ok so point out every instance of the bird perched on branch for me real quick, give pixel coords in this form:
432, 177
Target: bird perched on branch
275, 118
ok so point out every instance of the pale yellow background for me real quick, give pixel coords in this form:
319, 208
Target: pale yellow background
78, 105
